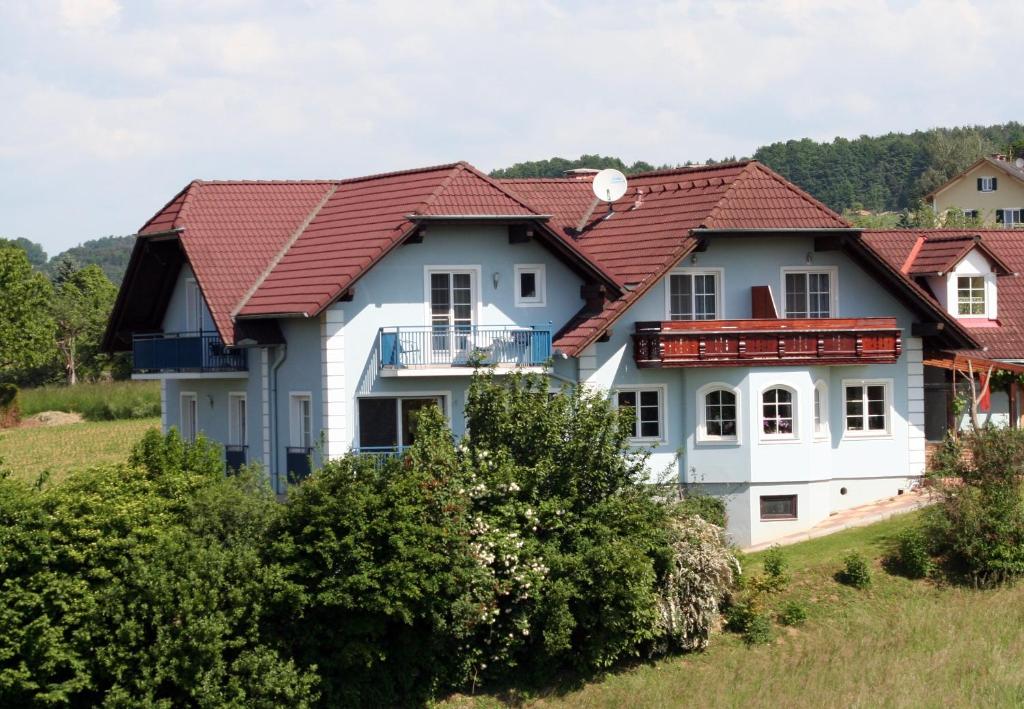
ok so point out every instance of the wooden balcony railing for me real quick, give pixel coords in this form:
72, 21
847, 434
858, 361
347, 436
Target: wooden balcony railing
725, 343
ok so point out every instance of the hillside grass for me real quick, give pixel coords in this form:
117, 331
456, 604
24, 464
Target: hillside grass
61, 450
106, 401
899, 643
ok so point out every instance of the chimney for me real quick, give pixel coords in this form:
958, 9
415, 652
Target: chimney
581, 173
998, 156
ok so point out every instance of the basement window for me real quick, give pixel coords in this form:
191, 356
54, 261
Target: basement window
778, 507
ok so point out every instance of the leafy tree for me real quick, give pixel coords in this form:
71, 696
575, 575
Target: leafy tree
82, 300
111, 253
36, 254
26, 326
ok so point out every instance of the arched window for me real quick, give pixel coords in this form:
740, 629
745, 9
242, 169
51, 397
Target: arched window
718, 405
820, 409
778, 413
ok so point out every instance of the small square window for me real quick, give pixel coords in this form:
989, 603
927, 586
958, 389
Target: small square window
529, 285
778, 507
986, 184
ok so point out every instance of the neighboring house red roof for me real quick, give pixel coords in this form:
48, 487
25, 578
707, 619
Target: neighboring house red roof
936, 254
1003, 342
231, 231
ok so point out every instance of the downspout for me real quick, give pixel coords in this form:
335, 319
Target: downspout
282, 354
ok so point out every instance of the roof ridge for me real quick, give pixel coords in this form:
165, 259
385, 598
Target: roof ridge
284, 249
267, 182
186, 202
498, 186
169, 202
821, 206
685, 169
396, 173
713, 213
436, 192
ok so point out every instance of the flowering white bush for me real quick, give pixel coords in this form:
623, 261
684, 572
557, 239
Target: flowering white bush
702, 571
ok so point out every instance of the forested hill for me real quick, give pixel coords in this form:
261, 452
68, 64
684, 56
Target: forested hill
111, 253
880, 173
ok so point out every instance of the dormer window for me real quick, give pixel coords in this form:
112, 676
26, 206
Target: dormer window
970, 295
987, 184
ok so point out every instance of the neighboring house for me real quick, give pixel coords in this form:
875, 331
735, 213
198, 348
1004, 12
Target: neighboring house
991, 190
973, 275
769, 352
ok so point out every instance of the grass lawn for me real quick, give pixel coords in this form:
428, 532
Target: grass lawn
62, 449
899, 643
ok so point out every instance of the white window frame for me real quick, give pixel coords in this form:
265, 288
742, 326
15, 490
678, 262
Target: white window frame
819, 410
719, 275
187, 435
833, 286
193, 306
475, 272
662, 390
294, 419
702, 425
539, 272
238, 435
1018, 212
865, 383
444, 396
984, 295
987, 184
793, 437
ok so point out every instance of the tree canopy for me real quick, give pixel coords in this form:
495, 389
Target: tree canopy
26, 328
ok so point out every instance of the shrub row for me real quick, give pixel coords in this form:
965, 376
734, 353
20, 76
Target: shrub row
531, 548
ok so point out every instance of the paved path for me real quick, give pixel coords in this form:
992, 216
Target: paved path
853, 517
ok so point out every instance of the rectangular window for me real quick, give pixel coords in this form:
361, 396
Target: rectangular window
452, 297
1010, 216
987, 184
236, 420
970, 214
530, 286
189, 416
808, 293
694, 296
647, 410
970, 295
778, 507
301, 421
386, 422
193, 306
866, 407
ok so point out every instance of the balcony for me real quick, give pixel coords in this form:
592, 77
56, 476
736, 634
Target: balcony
442, 350
181, 352
766, 342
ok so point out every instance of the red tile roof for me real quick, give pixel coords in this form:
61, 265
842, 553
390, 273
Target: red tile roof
1003, 342
363, 220
231, 231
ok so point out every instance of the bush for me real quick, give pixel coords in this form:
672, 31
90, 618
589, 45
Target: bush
855, 571
101, 401
912, 557
142, 585
978, 523
10, 409
759, 631
711, 509
793, 613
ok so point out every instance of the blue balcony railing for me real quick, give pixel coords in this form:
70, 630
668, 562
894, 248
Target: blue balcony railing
185, 352
462, 345
380, 454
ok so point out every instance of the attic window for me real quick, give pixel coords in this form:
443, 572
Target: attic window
987, 184
970, 295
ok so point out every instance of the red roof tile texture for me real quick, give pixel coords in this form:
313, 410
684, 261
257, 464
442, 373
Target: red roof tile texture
1005, 341
231, 231
940, 255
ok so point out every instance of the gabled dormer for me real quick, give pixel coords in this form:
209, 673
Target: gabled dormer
962, 272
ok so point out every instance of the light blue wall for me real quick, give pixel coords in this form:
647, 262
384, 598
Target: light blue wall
175, 319
749, 262
393, 293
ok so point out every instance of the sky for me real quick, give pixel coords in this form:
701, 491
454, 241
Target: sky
110, 107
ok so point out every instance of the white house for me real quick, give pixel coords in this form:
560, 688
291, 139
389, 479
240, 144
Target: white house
770, 354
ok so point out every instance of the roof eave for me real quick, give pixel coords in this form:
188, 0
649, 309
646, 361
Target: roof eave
478, 217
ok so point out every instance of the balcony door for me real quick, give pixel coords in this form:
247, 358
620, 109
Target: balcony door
452, 296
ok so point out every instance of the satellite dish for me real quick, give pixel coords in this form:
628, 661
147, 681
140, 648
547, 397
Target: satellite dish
1019, 162
609, 185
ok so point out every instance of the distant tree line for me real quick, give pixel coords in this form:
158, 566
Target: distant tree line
878, 173
110, 253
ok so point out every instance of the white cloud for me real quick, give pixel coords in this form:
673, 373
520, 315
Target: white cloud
136, 99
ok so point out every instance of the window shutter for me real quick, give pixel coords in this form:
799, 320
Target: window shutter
995, 184
979, 184
999, 216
